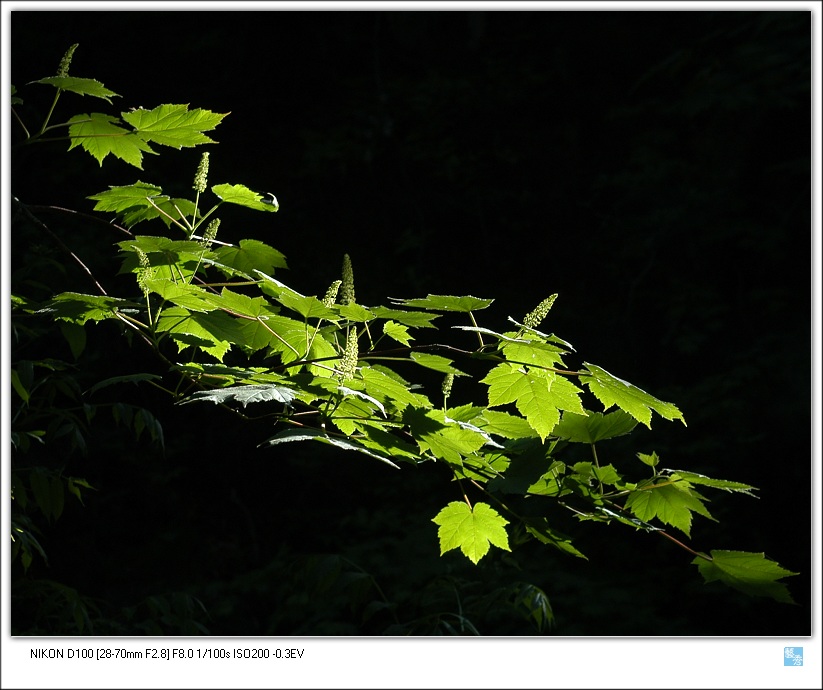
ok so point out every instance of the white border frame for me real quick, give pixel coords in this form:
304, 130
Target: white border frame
632, 663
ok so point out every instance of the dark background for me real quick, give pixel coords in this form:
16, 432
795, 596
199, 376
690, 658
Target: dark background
653, 168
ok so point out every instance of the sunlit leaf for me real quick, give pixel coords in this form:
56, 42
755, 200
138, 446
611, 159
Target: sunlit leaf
649, 459
472, 530
531, 392
355, 312
449, 441
750, 573
669, 504
607, 474
397, 332
79, 308
416, 319
505, 424
724, 484
594, 427
140, 202
173, 125
188, 296
100, 136
295, 341
214, 332
251, 255
243, 196
244, 395
533, 353
79, 85
436, 362
244, 305
611, 390
446, 303
119, 199
308, 307
388, 389
505, 337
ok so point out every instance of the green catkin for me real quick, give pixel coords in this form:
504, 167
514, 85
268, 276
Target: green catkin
63, 69
349, 362
448, 381
534, 318
347, 284
331, 293
202, 174
144, 273
211, 233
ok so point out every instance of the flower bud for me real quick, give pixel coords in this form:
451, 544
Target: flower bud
144, 273
347, 286
349, 363
331, 293
534, 318
447, 385
202, 174
63, 69
211, 233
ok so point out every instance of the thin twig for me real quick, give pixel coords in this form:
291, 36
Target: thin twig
60, 243
82, 215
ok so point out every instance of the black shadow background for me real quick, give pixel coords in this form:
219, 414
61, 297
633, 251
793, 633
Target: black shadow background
651, 167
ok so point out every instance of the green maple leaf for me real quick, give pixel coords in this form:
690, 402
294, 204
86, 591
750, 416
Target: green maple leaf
436, 362
415, 319
566, 395
79, 85
606, 474
212, 332
533, 353
308, 307
295, 341
472, 529
173, 125
504, 424
169, 259
243, 196
447, 303
188, 296
100, 136
538, 395
242, 304
78, 308
386, 388
245, 394
610, 390
445, 439
751, 573
250, 256
354, 312
724, 484
669, 503
528, 391
398, 332
385, 442
595, 426
122, 198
